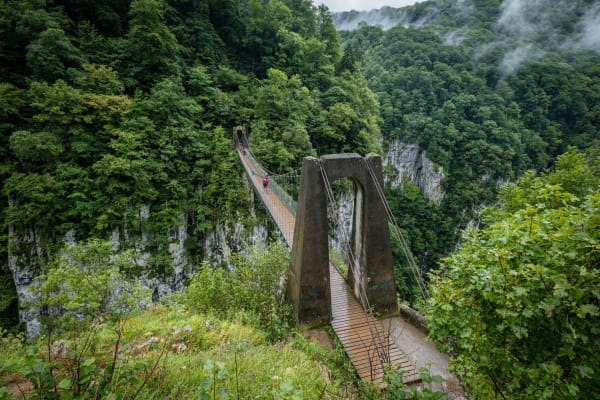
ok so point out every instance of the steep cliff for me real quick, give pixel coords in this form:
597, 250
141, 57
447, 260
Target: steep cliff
28, 256
410, 161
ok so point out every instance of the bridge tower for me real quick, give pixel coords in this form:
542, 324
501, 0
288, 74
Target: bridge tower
308, 287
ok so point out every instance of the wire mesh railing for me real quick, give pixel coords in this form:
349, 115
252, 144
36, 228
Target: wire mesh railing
283, 195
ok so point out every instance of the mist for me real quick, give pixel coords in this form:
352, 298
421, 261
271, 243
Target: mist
525, 30
386, 18
363, 5
589, 36
529, 29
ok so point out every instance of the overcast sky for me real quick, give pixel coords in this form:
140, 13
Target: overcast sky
347, 5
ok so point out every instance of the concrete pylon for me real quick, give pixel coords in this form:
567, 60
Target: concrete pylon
308, 282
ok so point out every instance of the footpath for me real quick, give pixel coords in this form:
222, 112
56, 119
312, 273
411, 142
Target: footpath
423, 354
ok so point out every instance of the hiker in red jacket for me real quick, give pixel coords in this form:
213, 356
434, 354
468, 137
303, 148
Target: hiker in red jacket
266, 182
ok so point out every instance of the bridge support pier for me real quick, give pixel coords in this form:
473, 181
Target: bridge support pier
308, 286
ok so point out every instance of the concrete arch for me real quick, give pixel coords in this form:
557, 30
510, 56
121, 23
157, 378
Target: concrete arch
308, 286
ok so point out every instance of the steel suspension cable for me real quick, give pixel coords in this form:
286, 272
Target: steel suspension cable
401, 239
354, 264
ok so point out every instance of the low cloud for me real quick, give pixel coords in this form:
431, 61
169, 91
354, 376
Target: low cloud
513, 59
532, 28
588, 37
362, 5
515, 19
454, 38
385, 17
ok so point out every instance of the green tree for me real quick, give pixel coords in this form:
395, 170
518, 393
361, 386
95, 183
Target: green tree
86, 282
279, 134
225, 195
151, 52
51, 54
327, 33
518, 304
80, 120
349, 119
99, 79
229, 292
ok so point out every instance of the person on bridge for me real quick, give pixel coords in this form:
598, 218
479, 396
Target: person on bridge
266, 181
241, 149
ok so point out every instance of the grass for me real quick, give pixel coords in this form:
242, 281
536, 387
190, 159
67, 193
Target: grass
12, 354
220, 338
180, 344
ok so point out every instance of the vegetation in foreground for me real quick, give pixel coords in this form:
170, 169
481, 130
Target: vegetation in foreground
518, 305
226, 336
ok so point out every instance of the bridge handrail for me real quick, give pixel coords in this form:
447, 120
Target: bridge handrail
287, 200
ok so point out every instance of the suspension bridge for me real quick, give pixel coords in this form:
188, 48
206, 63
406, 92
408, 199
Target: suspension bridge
316, 287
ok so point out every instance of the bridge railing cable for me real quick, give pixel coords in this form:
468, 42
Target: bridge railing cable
379, 342
398, 233
287, 200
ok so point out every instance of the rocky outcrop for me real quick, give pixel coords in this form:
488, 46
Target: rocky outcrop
27, 257
225, 240
342, 222
410, 161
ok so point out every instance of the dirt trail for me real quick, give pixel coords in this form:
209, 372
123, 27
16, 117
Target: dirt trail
423, 354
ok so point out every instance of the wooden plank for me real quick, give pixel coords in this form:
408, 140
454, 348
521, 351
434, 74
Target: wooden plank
363, 337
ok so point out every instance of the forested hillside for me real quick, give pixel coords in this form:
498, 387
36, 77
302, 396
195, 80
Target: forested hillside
115, 120
116, 115
488, 88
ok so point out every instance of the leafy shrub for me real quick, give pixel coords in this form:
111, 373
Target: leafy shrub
255, 285
12, 351
86, 282
518, 304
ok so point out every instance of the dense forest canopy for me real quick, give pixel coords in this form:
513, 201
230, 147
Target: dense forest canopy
490, 89
113, 111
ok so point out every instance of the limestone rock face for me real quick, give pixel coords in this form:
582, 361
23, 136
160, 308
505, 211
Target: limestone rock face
410, 161
27, 257
342, 229
25, 266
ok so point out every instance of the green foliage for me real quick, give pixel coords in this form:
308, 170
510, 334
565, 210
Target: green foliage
279, 135
443, 84
51, 54
253, 286
71, 370
151, 50
87, 282
9, 315
517, 305
287, 391
213, 374
394, 388
349, 117
12, 354
429, 233
109, 108
99, 79
397, 389
168, 352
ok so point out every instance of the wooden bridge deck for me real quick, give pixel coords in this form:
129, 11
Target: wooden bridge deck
363, 337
